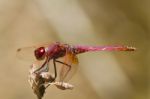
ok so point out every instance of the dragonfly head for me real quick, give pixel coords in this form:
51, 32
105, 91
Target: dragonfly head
40, 53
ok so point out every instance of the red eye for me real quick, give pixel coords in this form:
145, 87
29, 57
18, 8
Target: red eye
40, 53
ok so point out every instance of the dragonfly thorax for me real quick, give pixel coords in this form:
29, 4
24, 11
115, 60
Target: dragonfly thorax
58, 52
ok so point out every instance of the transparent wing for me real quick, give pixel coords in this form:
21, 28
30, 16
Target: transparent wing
27, 53
69, 67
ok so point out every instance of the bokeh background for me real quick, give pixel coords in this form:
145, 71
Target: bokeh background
101, 75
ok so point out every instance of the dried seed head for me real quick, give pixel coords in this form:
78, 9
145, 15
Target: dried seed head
63, 85
47, 77
36, 82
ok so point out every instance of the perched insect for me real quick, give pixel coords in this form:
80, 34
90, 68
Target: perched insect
56, 50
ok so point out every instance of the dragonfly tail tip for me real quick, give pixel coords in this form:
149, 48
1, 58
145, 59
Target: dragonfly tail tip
131, 48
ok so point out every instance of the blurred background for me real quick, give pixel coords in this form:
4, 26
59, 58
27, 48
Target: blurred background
101, 75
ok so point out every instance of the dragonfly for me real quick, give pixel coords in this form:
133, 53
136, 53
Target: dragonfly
69, 64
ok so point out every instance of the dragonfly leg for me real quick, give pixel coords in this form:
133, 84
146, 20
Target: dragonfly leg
66, 65
63, 63
44, 67
60, 63
55, 69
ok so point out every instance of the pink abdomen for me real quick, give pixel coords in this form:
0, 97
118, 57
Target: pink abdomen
81, 49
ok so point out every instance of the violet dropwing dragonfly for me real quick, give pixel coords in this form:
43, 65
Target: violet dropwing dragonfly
56, 50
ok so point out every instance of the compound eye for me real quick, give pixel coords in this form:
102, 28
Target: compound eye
40, 53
